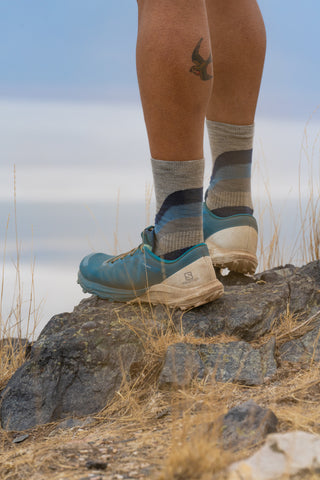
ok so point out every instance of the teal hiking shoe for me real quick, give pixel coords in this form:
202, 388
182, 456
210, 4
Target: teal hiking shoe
142, 276
232, 241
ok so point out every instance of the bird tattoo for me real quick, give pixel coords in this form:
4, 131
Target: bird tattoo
200, 65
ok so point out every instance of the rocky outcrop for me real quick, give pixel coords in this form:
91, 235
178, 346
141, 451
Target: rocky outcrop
75, 367
81, 358
250, 307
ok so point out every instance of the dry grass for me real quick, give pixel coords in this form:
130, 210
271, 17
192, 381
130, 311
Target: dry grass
310, 212
161, 435
305, 246
167, 427
12, 354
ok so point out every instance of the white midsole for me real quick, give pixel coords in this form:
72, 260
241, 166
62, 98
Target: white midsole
191, 286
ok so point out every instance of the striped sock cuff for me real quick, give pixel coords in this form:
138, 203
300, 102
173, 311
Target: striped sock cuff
179, 195
229, 191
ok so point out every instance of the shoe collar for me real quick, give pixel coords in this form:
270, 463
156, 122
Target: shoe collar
148, 237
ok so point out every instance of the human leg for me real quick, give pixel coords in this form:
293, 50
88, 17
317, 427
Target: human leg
172, 265
175, 101
238, 47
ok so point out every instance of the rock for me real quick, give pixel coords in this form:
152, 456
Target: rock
182, 364
92, 477
75, 367
74, 422
229, 362
268, 362
81, 358
284, 455
276, 274
250, 308
237, 362
247, 425
20, 438
302, 350
96, 465
163, 413
304, 287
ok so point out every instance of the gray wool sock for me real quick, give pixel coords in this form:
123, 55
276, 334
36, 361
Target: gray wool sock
179, 192
229, 191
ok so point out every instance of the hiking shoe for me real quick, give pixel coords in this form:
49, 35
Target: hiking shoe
140, 275
232, 241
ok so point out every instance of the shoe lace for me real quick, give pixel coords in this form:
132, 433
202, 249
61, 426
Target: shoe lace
131, 253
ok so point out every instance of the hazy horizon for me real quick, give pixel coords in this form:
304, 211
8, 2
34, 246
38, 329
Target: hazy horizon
82, 171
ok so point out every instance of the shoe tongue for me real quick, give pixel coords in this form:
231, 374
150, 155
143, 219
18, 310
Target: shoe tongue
148, 236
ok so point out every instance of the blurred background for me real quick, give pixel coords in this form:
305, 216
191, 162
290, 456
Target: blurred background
72, 125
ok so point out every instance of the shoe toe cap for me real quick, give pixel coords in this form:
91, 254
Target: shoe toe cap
90, 264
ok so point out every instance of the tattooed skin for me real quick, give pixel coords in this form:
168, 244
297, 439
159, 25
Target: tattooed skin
200, 65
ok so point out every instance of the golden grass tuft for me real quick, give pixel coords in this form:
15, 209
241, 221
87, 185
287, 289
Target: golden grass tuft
197, 459
12, 352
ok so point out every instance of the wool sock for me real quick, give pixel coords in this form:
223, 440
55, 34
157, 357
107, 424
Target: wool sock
229, 191
179, 192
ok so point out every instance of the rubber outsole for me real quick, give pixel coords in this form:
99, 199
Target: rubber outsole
173, 297
184, 299
239, 262
234, 248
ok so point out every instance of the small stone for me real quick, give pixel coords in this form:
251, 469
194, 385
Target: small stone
75, 422
163, 413
20, 439
247, 425
96, 465
92, 477
284, 455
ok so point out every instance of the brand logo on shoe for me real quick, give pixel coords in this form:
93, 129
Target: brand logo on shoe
188, 276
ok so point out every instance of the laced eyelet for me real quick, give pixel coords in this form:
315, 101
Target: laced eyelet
126, 254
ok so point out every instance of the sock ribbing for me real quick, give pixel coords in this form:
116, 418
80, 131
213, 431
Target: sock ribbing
179, 192
229, 191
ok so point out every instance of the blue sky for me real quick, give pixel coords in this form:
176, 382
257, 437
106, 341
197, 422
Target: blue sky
85, 50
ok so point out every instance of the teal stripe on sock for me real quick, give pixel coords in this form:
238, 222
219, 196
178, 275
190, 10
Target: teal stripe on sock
190, 210
231, 173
